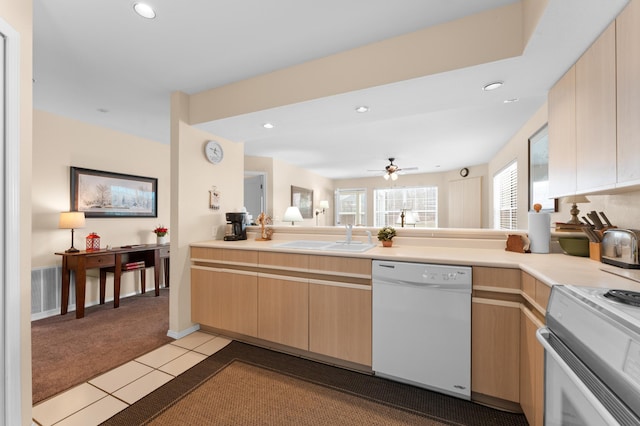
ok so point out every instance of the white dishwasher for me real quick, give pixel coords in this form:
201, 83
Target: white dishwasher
422, 325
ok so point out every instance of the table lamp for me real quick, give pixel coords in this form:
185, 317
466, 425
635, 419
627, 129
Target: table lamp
71, 220
574, 200
292, 214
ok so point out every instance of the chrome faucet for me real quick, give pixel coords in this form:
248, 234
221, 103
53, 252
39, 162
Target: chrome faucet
349, 229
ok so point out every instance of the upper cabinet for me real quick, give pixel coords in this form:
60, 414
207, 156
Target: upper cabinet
628, 70
562, 135
596, 114
593, 112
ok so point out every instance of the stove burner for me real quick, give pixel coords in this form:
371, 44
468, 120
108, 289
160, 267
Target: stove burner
624, 296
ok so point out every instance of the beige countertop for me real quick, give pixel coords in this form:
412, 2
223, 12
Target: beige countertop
553, 268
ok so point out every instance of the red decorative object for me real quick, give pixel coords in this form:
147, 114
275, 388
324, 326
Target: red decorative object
93, 242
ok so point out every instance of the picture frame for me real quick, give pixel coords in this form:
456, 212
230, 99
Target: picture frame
302, 199
108, 194
539, 171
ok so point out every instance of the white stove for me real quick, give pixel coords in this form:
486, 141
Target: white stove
592, 357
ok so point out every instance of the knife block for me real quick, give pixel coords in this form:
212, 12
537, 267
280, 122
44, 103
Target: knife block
595, 251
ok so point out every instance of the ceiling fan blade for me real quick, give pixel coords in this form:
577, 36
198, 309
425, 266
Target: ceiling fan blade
409, 168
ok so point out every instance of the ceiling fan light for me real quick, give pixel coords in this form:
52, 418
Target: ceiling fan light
386, 176
394, 176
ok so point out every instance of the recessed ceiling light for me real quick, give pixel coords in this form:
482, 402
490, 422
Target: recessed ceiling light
510, 101
268, 126
492, 86
362, 108
144, 10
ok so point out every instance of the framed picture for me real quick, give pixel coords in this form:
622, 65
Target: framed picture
302, 199
539, 172
107, 194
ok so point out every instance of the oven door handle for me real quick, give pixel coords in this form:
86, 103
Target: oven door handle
543, 336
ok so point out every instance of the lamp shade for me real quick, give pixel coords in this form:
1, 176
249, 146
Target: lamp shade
71, 220
575, 199
324, 204
292, 214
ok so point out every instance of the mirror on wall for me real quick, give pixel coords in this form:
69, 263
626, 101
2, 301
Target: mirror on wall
539, 171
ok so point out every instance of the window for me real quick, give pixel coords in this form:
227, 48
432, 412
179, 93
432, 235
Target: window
505, 197
351, 207
420, 206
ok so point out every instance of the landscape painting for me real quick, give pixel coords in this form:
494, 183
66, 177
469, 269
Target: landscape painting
108, 194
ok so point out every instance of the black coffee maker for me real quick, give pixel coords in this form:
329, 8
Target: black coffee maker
236, 227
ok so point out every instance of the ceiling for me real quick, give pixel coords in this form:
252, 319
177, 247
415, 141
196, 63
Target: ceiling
98, 62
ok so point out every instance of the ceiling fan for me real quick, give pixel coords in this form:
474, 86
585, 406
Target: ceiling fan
391, 170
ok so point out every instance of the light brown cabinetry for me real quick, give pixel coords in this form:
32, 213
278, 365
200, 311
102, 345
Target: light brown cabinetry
596, 114
319, 304
340, 321
283, 310
495, 336
628, 93
562, 135
225, 299
531, 369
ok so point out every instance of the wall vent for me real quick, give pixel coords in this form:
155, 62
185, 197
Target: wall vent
46, 292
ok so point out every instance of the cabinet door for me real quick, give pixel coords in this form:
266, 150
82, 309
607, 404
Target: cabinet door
562, 136
531, 370
340, 322
465, 203
283, 310
225, 299
495, 341
596, 114
628, 69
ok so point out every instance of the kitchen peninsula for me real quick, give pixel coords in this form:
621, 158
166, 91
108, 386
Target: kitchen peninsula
317, 304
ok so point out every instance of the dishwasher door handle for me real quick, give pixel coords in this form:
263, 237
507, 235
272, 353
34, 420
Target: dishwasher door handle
453, 287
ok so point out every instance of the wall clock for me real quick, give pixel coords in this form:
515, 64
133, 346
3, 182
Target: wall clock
464, 172
213, 151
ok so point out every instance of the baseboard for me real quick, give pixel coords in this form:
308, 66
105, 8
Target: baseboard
180, 334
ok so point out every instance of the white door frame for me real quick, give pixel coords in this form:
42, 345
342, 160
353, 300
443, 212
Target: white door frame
10, 336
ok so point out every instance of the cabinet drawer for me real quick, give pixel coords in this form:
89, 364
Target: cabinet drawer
349, 266
224, 255
496, 277
100, 261
164, 252
286, 261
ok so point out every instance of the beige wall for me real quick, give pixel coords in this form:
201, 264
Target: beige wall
19, 15
192, 176
59, 143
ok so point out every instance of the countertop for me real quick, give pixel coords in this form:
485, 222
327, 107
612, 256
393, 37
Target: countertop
551, 269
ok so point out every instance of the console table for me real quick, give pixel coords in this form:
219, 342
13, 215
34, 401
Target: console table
108, 261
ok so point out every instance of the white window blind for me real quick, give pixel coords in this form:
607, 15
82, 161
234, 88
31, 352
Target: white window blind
420, 206
351, 207
505, 197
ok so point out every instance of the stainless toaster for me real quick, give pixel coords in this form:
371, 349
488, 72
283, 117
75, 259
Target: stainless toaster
620, 248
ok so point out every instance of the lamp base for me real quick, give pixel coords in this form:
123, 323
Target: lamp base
574, 216
72, 250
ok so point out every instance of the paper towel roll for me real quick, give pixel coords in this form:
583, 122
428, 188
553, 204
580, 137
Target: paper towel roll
539, 232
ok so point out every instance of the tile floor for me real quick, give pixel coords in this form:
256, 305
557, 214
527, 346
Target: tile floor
95, 401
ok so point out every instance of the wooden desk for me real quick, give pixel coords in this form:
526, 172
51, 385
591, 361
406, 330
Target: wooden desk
107, 259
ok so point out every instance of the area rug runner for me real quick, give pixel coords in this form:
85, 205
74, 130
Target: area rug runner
67, 351
244, 384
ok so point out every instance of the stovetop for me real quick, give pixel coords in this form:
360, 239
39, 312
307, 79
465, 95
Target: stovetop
611, 301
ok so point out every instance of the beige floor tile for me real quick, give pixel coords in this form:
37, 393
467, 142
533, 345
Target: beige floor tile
182, 364
213, 346
65, 404
143, 386
193, 340
121, 376
162, 355
95, 413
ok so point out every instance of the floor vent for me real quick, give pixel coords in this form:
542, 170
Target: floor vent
46, 292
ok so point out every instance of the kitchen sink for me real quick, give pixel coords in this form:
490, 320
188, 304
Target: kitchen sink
353, 247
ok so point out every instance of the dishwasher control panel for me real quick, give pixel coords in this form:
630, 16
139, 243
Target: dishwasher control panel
426, 273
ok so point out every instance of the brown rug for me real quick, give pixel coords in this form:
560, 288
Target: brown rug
67, 351
245, 384
243, 394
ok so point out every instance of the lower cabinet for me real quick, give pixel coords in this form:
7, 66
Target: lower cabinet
531, 369
340, 321
495, 358
283, 310
225, 299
